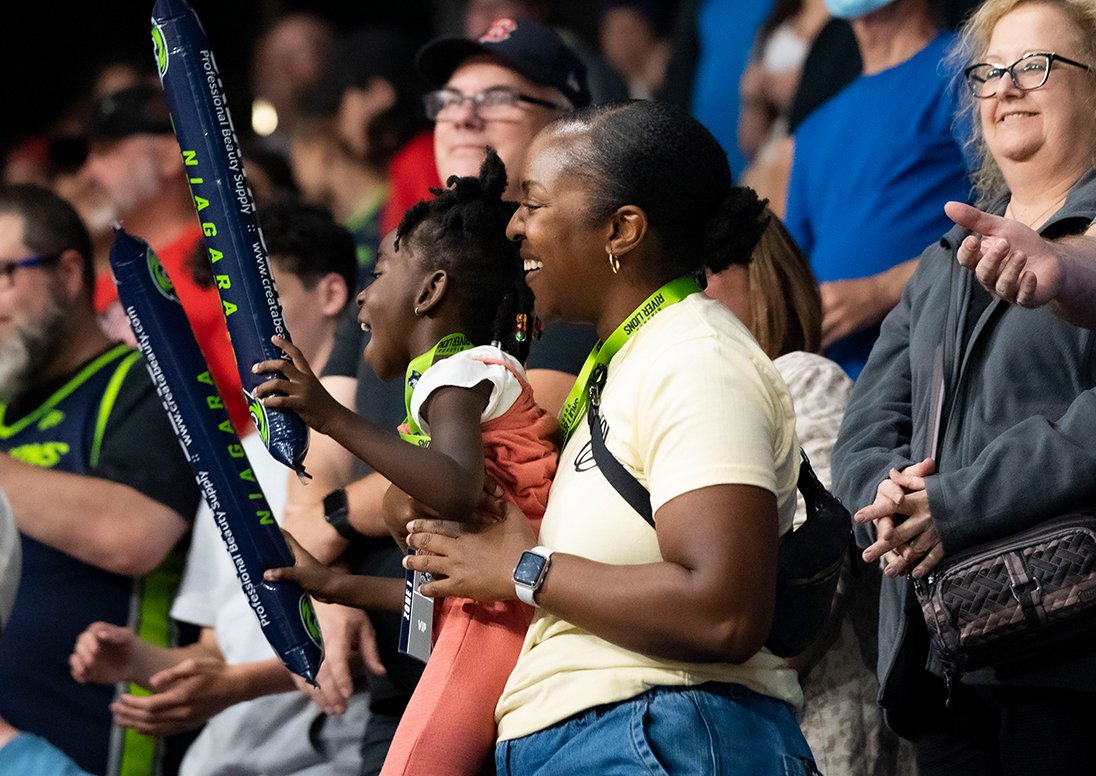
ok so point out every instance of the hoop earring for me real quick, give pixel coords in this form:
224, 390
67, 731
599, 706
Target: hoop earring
614, 263
418, 312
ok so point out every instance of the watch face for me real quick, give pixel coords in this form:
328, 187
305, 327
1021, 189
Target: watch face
334, 502
529, 568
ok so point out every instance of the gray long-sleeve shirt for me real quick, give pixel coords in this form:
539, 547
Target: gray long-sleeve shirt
1018, 437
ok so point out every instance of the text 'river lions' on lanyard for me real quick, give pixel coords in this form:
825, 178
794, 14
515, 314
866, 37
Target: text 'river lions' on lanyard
574, 408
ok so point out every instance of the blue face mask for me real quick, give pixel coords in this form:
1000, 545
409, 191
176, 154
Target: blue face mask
854, 9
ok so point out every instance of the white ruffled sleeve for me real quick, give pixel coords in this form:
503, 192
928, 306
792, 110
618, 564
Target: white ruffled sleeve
467, 370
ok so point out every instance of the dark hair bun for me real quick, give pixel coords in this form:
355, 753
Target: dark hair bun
731, 235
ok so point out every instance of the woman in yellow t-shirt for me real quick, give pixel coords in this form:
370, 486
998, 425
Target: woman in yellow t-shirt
645, 650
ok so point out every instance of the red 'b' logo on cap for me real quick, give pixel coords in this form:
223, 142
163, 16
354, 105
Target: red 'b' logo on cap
499, 31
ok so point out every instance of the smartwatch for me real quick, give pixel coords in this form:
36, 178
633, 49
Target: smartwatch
337, 514
530, 572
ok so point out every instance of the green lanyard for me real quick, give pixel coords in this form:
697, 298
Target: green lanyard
574, 408
447, 346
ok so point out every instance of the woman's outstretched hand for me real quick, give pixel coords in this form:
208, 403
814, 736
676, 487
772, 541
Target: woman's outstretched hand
1009, 259
470, 561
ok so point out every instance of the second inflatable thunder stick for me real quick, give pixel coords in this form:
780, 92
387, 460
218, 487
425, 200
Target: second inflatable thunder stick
247, 526
226, 209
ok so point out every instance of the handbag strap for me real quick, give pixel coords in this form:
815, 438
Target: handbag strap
633, 491
622, 480
936, 405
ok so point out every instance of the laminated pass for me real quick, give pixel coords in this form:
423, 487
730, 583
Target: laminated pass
226, 211
201, 423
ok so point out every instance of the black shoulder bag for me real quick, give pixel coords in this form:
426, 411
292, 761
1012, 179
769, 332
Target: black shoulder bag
809, 560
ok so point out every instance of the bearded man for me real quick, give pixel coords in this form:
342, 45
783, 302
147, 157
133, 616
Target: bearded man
101, 493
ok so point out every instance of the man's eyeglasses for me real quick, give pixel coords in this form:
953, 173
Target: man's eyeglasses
1028, 72
497, 103
7, 268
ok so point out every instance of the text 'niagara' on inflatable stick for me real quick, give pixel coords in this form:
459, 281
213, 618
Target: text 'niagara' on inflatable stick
226, 210
201, 423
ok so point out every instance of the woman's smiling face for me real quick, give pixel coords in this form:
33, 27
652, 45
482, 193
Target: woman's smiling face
1052, 125
563, 249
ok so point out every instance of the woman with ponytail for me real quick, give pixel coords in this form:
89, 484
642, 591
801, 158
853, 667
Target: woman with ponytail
645, 654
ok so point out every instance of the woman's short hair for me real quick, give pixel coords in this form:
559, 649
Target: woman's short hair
974, 40
657, 157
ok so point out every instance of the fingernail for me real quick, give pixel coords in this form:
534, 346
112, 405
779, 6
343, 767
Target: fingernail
255, 368
406, 561
412, 526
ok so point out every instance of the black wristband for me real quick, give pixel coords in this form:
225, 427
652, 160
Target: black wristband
337, 514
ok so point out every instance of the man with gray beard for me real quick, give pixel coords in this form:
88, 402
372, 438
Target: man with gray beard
101, 493
30, 347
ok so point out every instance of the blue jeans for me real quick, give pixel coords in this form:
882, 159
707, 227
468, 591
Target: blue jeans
705, 730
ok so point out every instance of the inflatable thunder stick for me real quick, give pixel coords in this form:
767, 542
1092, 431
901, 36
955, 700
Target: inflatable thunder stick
226, 210
201, 423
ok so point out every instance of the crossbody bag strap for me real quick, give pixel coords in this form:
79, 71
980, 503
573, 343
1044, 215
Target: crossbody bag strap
633, 491
936, 405
622, 480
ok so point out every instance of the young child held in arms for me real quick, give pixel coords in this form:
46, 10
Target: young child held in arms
448, 282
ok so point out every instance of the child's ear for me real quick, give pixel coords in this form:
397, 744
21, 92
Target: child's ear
431, 292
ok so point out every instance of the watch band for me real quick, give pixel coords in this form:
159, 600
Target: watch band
527, 589
336, 512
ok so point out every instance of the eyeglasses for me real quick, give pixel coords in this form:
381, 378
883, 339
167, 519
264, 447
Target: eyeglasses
490, 104
7, 268
1028, 72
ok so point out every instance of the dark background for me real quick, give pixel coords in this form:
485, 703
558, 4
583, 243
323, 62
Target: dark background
52, 50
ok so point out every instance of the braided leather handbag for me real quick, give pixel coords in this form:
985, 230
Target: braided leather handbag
1014, 597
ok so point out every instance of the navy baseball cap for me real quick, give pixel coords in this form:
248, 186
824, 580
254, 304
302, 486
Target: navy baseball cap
137, 110
529, 48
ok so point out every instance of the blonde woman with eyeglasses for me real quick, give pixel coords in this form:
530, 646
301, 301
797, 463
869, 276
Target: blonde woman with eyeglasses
1015, 443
